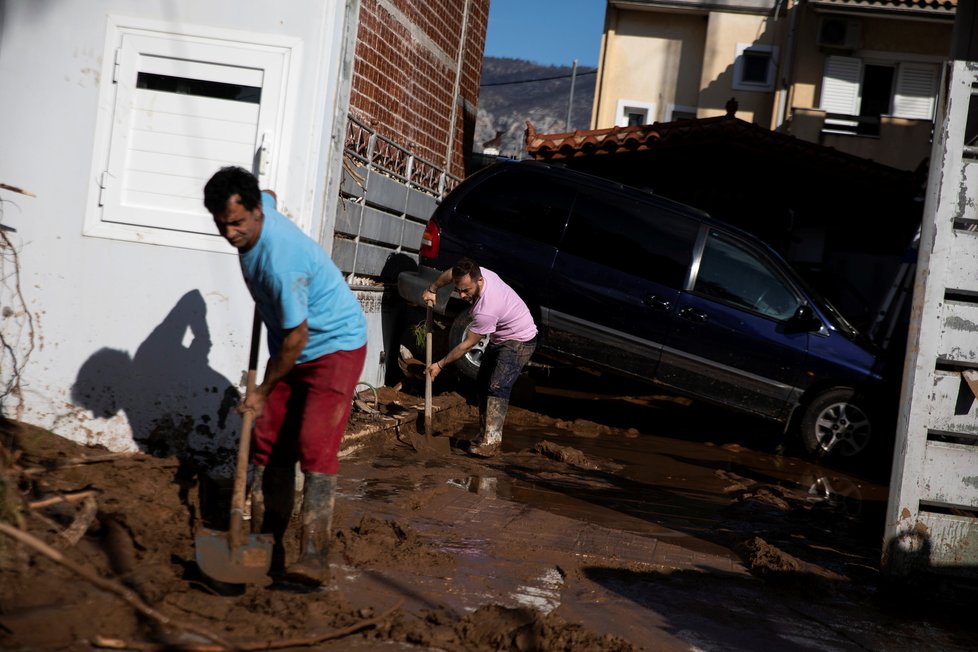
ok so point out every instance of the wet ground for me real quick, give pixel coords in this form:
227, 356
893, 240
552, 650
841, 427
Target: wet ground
616, 518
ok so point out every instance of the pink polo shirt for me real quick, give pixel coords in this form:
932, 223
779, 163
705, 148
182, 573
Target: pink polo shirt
500, 313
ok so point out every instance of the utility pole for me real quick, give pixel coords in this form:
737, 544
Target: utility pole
570, 104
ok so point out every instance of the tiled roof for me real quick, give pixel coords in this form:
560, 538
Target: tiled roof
704, 131
551, 147
930, 7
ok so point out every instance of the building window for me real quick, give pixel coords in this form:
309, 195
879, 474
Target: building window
857, 93
175, 107
634, 112
755, 67
680, 112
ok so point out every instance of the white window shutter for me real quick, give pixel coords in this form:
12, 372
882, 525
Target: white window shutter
916, 91
840, 85
176, 106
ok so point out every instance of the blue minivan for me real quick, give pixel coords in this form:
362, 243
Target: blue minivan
623, 281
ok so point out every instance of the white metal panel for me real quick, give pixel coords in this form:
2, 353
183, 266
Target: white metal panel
916, 90
950, 474
954, 409
932, 513
952, 541
959, 336
963, 249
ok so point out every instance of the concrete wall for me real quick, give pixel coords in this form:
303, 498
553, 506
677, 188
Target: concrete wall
649, 57
724, 33
903, 39
123, 343
661, 57
902, 143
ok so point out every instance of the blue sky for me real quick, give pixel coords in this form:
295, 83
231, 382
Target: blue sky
551, 32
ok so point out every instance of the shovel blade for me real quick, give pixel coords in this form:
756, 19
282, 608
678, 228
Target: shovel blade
429, 444
246, 564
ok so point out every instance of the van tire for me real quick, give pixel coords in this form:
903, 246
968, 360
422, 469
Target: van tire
836, 423
468, 365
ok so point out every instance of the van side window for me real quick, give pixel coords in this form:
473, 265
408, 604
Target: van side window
632, 236
731, 274
530, 205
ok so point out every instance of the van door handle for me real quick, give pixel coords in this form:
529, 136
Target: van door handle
653, 301
692, 314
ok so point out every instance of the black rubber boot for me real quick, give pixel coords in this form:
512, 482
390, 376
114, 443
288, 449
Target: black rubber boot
272, 501
491, 438
318, 497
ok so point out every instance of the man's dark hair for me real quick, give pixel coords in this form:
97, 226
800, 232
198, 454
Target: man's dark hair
466, 267
227, 182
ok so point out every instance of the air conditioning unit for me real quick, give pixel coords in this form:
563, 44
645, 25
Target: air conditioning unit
839, 33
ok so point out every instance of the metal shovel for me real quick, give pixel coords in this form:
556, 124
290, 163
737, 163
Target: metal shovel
234, 557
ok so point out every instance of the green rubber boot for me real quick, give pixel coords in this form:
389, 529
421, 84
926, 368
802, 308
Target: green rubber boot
319, 495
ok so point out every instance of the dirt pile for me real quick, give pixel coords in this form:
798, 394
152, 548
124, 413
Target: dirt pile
122, 526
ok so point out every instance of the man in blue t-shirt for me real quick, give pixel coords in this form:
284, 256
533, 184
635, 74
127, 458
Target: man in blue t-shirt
317, 338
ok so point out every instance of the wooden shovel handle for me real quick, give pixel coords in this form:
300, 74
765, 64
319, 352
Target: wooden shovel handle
427, 375
235, 534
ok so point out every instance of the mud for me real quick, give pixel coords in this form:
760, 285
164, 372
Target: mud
581, 535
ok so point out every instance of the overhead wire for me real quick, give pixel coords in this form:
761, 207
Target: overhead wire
526, 81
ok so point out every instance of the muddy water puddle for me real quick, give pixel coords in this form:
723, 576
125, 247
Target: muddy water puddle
674, 489
648, 517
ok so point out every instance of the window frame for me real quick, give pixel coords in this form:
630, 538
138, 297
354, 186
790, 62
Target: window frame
843, 83
639, 216
741, 84
672, 109
275, 57
766, 262
519, 181
621, 115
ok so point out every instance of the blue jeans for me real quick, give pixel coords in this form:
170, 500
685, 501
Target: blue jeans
501, 366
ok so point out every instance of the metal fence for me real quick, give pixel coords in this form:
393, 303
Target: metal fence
386, 197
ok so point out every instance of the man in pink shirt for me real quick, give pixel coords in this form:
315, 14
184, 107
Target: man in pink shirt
497, 311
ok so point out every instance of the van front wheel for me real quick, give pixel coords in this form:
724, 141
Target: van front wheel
468, 365
836, 423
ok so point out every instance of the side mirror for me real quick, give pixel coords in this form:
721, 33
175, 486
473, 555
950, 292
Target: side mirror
804, 320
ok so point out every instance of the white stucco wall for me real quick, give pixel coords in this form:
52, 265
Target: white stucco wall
650, 57
125, 336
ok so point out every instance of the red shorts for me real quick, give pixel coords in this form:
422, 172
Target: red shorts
306, 414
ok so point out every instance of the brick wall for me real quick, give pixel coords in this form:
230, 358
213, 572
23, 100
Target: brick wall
405, 69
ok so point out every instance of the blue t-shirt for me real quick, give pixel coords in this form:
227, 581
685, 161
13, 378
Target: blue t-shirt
293, 280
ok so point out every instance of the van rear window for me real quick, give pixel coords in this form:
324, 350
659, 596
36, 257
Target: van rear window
632, 236
529, 205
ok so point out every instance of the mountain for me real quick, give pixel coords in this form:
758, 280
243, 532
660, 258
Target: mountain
513, 91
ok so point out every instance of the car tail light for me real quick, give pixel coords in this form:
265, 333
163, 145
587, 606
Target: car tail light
430, 240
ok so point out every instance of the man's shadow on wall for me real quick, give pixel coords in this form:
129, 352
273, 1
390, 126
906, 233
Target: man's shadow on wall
175, 402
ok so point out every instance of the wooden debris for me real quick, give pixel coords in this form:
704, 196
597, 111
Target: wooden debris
109, 585
64, 498
117, 644
83, 520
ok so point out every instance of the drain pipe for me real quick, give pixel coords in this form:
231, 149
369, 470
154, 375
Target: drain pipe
789, 58
459, 59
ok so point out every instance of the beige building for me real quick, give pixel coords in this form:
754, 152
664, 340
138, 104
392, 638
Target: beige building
861, 76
